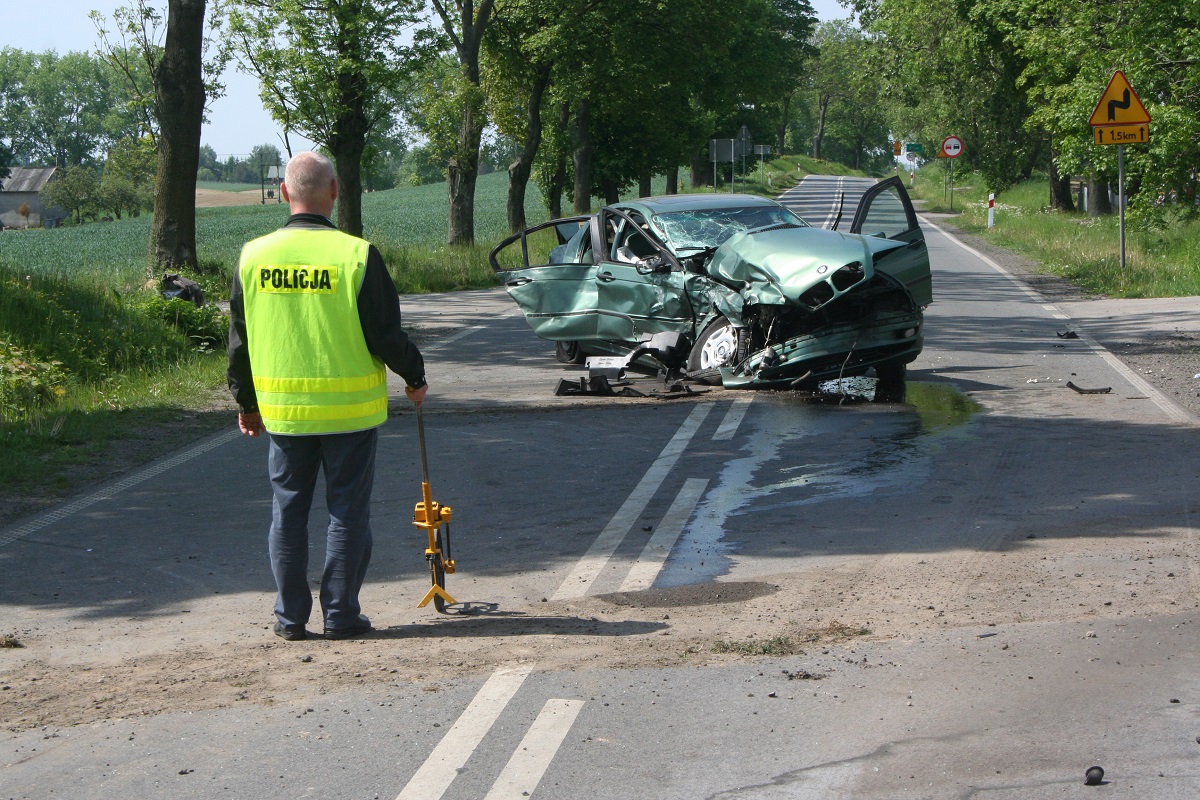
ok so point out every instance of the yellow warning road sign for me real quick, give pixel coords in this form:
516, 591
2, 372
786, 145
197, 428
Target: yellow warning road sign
1119, 105
1121, 134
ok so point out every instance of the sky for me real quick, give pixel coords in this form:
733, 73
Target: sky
237, 121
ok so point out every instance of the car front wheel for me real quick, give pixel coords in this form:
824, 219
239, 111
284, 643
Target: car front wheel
569, 353
715, 347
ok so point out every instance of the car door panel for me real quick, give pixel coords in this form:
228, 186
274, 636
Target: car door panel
642, 296
885, 210
549, 271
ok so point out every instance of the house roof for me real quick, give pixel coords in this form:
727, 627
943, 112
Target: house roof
26, 179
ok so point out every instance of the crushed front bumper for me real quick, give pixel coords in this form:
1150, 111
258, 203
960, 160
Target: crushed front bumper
840, 351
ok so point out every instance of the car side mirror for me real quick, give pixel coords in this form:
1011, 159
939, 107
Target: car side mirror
652, 264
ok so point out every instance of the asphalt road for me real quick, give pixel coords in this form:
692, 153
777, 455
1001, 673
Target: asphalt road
981, 592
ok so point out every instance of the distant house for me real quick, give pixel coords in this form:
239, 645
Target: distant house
23, 186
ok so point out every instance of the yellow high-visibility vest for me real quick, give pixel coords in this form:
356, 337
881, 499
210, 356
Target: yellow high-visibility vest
312, 371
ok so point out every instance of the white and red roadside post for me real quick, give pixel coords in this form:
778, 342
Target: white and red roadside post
991, 209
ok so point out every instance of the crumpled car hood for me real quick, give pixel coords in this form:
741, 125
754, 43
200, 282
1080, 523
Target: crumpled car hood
776, 266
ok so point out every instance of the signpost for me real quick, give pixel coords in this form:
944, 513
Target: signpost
763, 150
1120, 118
952, 148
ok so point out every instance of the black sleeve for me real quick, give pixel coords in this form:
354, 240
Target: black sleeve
241, 379
379, 313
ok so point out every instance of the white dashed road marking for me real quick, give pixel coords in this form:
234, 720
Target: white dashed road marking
598, 555
440, 769
733, 418
645, 570
533, 756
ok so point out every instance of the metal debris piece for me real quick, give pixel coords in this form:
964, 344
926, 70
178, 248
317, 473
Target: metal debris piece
597, 386
1104, 390
1067, 335
1093, 776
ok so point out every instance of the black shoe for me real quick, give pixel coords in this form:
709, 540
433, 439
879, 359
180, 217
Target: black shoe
361, 625
290, 633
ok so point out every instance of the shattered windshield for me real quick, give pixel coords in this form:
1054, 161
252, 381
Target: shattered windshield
701, 229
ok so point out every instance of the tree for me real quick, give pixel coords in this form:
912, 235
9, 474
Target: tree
179, 96
331, 70
519, 56
58, 109
74, 190
1072, 50
127, 184
952, 71
209, 166
464, 25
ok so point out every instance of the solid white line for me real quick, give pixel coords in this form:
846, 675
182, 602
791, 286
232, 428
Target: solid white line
62, 512
439, 770
1166, 405
593, 561
733, 418
532, 758
644, 572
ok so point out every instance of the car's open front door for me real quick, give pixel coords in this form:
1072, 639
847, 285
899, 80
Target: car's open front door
885, 210
639, 282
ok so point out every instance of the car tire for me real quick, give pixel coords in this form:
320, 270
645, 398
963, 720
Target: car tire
891, 386
715, 347
569, 353
891, 372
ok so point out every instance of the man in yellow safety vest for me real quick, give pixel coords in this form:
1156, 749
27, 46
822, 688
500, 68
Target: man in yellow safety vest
314, 319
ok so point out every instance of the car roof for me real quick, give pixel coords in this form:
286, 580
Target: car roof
665, 204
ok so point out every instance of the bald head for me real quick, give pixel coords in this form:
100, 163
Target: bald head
310, 184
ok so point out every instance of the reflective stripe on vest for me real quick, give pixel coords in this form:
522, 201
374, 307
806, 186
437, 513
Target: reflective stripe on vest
312, 371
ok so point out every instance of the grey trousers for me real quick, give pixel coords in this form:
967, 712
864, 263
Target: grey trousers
348, 461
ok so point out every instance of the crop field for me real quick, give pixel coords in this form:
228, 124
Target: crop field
114, 253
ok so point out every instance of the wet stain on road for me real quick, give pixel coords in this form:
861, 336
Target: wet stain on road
796, 454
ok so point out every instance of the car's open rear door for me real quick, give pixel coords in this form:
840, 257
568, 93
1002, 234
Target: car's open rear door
550, 271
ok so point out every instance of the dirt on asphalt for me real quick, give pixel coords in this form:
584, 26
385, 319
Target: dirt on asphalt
91, 673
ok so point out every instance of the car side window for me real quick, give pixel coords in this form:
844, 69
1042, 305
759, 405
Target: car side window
629, 241
886, 216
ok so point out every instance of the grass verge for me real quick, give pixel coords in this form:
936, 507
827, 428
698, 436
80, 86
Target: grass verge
1159, 262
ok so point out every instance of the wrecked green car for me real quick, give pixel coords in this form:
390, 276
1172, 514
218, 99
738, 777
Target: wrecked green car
758, 297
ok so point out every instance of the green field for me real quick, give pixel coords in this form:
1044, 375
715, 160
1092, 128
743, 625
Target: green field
116, 251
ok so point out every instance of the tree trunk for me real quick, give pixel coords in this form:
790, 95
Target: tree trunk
347, 161
558, 183
612, 193
701, 170
179, 99
819, 132
558, 179
673, 180
463, 169
461, 175
1060, 190
645, 188
781, 128
519, 170
583, 157
348, 139
1099, 204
